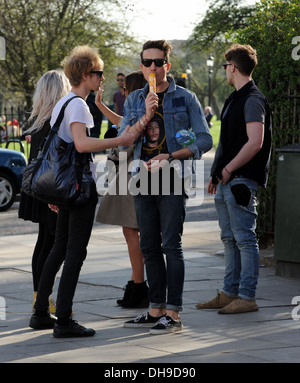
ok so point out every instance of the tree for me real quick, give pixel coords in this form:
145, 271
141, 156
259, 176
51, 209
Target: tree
222, 19
40, 33
213, 35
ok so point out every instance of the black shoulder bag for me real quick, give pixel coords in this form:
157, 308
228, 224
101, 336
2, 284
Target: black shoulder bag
59, 175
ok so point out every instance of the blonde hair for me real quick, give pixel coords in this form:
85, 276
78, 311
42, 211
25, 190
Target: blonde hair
51, 87
82, 60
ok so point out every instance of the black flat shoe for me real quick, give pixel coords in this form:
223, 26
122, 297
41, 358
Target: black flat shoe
72, 330
41, 323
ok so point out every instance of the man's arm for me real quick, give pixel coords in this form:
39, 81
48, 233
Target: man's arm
255, 133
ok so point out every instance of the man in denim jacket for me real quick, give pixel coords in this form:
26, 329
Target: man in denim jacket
155, 118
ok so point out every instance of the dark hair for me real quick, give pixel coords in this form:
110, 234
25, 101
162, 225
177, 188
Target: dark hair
121, 74
162, 45
243, 56
134, 81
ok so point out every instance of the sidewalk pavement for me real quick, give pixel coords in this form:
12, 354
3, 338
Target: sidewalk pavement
268, 335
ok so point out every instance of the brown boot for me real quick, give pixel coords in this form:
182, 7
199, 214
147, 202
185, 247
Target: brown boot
218, 302
239, 305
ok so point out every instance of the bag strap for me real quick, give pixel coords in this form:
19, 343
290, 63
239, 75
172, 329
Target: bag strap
53, 131
56, 126
60, 117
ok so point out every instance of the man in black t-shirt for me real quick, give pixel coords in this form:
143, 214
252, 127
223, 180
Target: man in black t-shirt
241, 164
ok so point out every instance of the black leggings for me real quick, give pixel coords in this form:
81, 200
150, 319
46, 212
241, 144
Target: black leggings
41, 251
73, 230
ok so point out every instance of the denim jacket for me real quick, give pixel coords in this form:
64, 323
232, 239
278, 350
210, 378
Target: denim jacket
182, 110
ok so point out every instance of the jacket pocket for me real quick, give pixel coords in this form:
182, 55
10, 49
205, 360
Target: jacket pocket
181, 120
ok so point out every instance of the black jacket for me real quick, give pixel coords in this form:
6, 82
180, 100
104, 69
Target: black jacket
234, 136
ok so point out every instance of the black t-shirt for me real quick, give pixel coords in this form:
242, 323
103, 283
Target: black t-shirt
154, 141
247, 104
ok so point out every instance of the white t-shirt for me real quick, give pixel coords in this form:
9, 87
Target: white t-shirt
76, 111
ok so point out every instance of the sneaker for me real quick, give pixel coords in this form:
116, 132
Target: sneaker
239, 305
143, 320
72, 330
218, 302
166, 325
42, 322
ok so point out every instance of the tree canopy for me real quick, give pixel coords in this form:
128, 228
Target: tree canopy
39, 33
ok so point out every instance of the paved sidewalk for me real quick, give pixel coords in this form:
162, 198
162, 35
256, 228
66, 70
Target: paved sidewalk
269, 335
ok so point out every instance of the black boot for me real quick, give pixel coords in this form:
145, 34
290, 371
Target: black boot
127, 293
138, 296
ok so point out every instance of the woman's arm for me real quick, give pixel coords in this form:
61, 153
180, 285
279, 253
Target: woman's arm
113, 117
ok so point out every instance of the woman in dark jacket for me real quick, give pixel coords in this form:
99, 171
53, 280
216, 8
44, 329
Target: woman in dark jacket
51, 87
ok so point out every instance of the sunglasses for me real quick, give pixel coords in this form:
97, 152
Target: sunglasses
99, 73
158, 62
226, 65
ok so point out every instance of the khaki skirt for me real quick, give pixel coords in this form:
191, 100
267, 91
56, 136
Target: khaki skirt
118, 209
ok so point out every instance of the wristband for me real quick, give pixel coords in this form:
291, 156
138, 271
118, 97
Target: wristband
227, 170
171, 158
142, 123
139, 132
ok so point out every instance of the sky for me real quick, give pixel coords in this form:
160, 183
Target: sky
167, 19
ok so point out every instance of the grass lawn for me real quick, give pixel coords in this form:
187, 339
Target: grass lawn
215, 131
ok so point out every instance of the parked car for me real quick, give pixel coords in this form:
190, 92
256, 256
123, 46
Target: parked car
12, 165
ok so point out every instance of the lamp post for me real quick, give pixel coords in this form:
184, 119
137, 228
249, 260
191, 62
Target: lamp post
210, 64
2, 48
189, 72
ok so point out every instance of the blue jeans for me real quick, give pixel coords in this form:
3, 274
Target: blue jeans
238, 225
160, 219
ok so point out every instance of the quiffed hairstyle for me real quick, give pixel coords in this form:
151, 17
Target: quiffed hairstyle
162, 45
243, 56
82, 60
